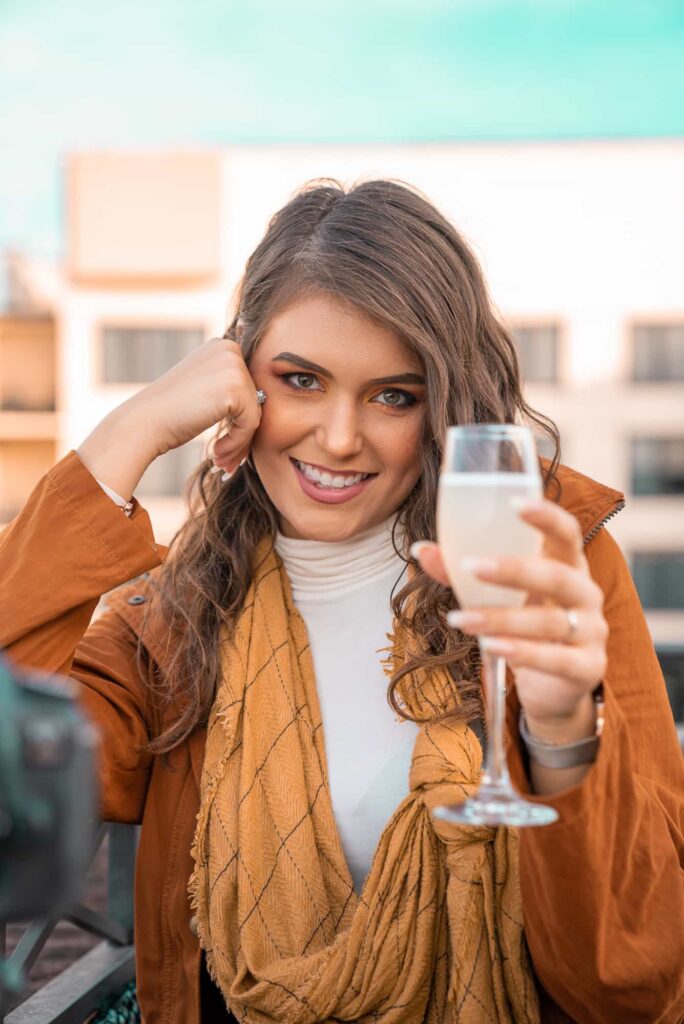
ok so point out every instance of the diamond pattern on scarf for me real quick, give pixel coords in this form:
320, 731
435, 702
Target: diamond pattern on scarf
436, 934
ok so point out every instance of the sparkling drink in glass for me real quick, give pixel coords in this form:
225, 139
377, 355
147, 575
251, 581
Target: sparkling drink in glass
485, 467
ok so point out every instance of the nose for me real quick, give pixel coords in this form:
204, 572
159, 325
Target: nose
339, 432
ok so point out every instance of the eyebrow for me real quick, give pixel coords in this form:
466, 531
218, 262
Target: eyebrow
306, 364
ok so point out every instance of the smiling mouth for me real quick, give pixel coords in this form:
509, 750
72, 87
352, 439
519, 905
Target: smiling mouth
327, 479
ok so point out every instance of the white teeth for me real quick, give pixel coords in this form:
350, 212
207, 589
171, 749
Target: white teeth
327, 479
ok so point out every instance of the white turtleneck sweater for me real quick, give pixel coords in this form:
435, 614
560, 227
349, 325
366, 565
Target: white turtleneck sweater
342, 591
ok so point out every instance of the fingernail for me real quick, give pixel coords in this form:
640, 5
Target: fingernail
226, 476
527, 504
471, 620
417, 547
495, 645
243, 461
476, 565
215, 469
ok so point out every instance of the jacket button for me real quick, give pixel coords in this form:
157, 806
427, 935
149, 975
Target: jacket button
136, 599
194, 925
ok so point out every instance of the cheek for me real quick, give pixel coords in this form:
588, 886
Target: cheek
395, 442
280, 428
398, 446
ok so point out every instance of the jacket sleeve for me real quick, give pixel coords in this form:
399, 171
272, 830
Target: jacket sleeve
603, 890
68, 546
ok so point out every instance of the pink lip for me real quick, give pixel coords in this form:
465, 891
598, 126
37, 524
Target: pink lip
329, 495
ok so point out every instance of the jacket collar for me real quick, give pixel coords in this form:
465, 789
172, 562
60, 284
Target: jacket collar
592, 503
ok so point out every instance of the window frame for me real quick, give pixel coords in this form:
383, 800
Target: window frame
666, 555
651, 437
561, 327
130, 323
200, 444
673, 318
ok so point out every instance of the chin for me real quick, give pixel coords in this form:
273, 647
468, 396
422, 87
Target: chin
338, 527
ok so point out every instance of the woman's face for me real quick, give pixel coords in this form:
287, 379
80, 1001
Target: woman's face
344, 398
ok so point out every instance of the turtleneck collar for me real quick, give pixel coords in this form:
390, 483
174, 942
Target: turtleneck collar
324, 569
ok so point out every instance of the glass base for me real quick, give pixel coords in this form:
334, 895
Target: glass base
494, 805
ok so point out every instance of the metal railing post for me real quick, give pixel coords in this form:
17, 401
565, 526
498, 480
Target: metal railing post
123, 841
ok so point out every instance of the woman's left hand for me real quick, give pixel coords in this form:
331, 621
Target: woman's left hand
555, 667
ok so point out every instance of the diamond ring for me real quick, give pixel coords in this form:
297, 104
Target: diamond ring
573, 622
261, 397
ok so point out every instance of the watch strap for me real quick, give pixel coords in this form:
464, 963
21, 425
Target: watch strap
567, 755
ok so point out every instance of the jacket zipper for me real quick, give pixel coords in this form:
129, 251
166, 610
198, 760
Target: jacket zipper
595, 529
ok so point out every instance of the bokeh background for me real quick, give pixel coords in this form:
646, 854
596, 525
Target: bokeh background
143, 148
164, 73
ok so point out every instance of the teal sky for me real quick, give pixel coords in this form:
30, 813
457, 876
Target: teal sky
78, 74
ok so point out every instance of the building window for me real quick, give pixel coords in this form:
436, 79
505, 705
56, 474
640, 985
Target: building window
538, 350
659, 579
137, 355
659, 352
167, 476
658, 465
671, 658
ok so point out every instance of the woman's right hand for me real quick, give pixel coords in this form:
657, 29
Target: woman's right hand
210, 385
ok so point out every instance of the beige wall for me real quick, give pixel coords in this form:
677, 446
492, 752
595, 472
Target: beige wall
27, 363
28, 396
573, 234
22, 464
154, 217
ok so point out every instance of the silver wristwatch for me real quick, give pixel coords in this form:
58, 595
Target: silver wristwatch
550, 755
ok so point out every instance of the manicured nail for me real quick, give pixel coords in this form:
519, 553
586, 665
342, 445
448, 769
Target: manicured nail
476, 565
215, 469
471, 620
226, 476
417, 547
496, 645
521, 504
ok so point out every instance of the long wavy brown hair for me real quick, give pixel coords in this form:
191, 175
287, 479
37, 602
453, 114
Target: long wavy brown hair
384, 248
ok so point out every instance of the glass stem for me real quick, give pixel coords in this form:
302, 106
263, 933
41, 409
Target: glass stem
495, 763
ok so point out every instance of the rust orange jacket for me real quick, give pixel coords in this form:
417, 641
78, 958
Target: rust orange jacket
602, 888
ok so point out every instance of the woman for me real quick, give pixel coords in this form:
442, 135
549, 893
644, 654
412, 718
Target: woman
238, 684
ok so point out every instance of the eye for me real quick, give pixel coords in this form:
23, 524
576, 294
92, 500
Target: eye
396, 399
301, 381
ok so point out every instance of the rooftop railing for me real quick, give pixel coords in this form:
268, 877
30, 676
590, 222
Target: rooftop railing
101, 972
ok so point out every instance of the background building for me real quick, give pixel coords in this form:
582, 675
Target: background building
580, 243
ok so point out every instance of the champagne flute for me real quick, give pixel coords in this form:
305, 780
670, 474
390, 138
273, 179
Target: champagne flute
484, 467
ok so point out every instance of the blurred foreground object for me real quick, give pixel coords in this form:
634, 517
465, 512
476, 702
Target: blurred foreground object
48, 800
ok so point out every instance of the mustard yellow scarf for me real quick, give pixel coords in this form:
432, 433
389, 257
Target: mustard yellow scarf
436, 934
